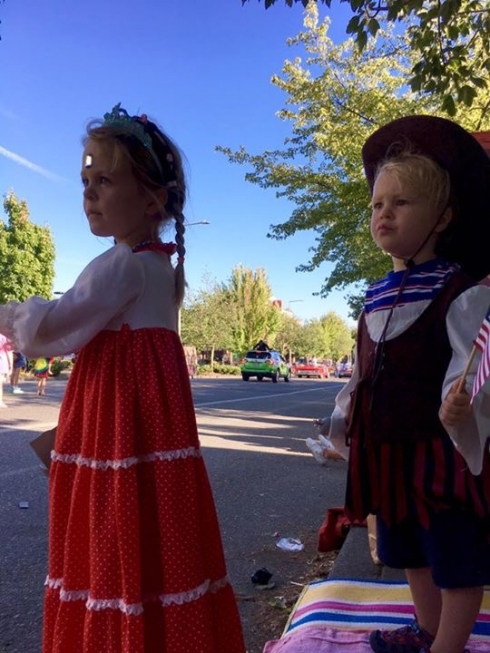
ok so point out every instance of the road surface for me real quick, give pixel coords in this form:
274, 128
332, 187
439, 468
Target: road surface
266, 486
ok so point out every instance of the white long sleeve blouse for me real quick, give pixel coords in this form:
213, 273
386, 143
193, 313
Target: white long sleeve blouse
118, 287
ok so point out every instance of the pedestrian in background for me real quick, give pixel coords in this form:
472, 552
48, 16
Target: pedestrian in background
19, 361
41, 372
5, 365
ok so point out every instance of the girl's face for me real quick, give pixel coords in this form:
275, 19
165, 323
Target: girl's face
402, 219
113, 201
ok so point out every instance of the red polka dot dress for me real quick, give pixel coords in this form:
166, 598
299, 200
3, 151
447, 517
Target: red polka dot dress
136, 562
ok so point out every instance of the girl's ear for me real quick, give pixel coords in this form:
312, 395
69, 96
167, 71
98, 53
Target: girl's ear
444, 220
157, 200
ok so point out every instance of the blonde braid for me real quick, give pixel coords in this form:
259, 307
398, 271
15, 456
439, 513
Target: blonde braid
180, 283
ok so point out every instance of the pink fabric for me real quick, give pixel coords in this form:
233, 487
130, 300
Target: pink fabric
4, 350
318, 639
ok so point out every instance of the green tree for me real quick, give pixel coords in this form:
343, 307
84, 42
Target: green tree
190, 321
450, 40
312, 342
288, 337
334, 101
205, 322
326, 337
338, 335
27, 254
251, 313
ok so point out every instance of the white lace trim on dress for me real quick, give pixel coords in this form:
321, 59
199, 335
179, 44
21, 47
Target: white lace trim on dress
134, 608
124, 463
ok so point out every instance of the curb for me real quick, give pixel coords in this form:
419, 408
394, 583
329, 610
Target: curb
354, 561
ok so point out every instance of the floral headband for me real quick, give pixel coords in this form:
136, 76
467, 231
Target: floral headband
136, 126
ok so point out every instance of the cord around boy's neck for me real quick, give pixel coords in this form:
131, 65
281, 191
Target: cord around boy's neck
409, 263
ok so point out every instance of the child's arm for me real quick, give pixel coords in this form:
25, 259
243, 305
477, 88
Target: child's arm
338, 421
468, 426
334, 426
322, 424
107, 286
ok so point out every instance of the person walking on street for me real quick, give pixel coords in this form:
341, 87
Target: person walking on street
41, 372
19, 361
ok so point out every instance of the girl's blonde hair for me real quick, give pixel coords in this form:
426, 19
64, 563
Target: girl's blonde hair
423, 175
155, 168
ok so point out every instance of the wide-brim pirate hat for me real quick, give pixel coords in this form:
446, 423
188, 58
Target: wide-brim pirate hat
468, 165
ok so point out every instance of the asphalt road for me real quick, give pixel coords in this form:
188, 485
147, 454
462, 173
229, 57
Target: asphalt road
266, 486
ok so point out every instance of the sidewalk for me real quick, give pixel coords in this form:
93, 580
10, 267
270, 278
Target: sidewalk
29, 411
23, 514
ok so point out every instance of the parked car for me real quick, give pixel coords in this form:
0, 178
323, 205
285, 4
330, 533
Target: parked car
344, 370
303, 367
265, 364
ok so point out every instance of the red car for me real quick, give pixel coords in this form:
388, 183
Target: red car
309, 368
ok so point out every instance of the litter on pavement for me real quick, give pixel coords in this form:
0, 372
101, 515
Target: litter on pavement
290, 544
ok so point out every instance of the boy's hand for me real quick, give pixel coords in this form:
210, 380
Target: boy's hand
455, 407
323, 425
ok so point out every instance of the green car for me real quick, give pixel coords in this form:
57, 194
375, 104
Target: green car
265, 364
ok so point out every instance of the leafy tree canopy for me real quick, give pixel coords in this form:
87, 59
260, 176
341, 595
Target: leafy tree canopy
288, 338
334, 100
236, 315
451, 40
233, 315
205, 321
250, 309
326, 337
27, 254
339, 337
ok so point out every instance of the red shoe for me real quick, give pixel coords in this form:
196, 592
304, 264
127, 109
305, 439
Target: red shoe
409, 639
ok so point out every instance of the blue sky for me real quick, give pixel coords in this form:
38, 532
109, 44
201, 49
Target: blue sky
202, 69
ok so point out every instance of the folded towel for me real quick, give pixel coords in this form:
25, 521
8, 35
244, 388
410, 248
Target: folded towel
336, 616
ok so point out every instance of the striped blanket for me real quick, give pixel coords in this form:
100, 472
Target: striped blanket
336, 616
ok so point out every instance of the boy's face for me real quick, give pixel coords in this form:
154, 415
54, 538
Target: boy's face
402, 220
113, 201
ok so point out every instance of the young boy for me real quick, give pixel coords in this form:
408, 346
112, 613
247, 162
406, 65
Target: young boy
430, 490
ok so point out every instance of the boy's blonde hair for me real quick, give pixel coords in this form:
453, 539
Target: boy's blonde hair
423, 175
427, 177
154, 172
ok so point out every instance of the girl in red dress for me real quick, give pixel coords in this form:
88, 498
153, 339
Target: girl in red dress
136, 562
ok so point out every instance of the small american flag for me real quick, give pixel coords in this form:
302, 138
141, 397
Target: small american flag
482, 342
